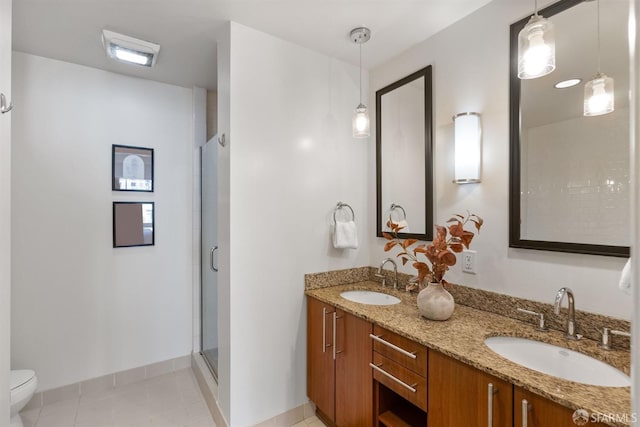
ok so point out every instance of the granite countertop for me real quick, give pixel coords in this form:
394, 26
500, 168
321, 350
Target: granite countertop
462, 337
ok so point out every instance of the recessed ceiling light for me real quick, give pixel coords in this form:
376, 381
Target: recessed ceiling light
130, 50
567, 83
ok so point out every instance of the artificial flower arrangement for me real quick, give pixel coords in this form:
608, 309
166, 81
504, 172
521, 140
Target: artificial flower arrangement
441, 252
434, 302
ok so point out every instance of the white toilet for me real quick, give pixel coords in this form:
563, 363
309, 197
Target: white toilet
23, 384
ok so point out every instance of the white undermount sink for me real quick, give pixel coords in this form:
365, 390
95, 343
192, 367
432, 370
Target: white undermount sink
370, 297
558, 361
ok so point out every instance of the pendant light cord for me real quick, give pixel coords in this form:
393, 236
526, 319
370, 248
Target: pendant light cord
535, 10
598, 30
360, 73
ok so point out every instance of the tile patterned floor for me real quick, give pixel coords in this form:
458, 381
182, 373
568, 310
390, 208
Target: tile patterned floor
171, 400
310, 422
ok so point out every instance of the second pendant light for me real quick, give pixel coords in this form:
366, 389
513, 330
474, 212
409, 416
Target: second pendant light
598, 93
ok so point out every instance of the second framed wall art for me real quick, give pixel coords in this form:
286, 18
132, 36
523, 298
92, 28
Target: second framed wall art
131, 168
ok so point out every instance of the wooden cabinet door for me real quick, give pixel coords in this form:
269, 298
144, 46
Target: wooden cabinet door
354, 380
320, 363
459, 395
541, 412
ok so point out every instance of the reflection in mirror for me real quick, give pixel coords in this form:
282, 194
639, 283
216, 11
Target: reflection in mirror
403, 147
133, 224
570, 188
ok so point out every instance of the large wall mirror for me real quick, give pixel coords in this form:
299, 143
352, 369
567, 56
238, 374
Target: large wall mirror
569, 174
404, 171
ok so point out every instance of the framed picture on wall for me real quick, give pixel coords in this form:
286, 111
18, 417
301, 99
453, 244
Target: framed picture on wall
131, 168
133, 224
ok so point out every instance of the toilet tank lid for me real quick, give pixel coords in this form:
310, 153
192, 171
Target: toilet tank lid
20, 377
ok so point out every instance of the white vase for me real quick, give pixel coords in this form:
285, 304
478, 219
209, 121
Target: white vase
435, 303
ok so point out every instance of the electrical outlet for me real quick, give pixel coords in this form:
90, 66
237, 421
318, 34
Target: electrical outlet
469, 261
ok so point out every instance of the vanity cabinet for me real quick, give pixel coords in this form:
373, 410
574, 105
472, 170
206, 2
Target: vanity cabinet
339, 351
540, 412
362, 375
400, 374
460, 395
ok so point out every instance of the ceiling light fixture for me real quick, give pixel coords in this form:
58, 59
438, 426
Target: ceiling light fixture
567, 83
598, 93
130, 50
361, 123
536, 47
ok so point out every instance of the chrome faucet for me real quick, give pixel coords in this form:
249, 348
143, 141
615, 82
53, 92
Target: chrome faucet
571, 319
605, 343
395, 272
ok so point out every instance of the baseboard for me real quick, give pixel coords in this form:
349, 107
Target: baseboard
107, 382
290, 417
209, 389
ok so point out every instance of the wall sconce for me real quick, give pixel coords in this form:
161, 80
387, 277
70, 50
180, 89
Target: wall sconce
468, 148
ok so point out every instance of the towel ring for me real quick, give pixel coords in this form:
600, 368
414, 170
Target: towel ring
394, 207
341, 205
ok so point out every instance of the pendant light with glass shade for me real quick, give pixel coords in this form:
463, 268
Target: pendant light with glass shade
598, 93
536, 47
361, 123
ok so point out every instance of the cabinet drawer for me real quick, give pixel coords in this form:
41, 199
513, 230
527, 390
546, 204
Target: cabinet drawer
401, 350
401, 380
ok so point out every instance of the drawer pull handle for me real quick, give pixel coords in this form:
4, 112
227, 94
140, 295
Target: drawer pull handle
491, 390
335, 320
525, 412
402, 383
324, 329
395, 347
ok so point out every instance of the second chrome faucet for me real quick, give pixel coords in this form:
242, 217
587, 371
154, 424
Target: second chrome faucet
571, 315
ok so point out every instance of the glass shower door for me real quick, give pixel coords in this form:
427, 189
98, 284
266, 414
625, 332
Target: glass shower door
208, 264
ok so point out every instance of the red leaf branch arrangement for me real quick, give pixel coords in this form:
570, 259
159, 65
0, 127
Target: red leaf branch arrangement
440, 253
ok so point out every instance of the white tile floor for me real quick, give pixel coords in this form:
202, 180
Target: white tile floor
170, 400
310, 422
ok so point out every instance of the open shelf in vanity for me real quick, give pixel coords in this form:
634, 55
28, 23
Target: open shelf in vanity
400, 380
393, 410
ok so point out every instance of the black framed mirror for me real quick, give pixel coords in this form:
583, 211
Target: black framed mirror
569, 174
133, 224
404, 148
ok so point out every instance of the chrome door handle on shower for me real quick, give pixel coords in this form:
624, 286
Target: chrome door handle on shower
4, 108
215, 248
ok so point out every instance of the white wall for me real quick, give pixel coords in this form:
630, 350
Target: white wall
471, 73
199, 139
5, 211
290, 158
224, 217
634, 107
81, 308
579, 188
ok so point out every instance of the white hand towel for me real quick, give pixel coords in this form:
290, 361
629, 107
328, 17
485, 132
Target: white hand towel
625, 278
345, 235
